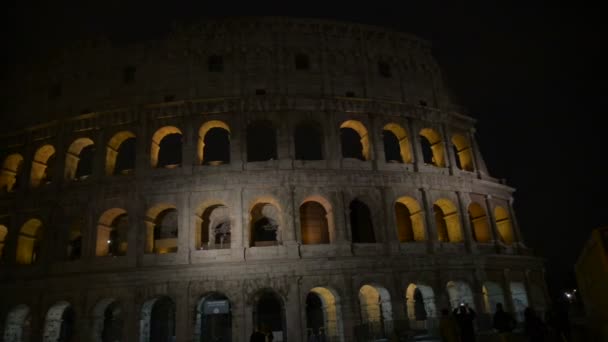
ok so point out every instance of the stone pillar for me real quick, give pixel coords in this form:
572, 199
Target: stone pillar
449, 150
414, 131
349, 304
492, 219
183, 332
293, 319
469, 242
188, 147
519, 242
431, 226
506, 284
469, 136
131, 319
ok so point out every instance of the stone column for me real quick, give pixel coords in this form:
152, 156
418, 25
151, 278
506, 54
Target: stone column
349, 305
183, 332
188, 147
469, 242
492, 219
293, 320
506, 285
449, 151
414, 131
431, 227
131, 319
519, 242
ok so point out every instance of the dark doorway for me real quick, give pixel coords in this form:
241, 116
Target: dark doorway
351, 144
315, 320
427, 150
125, 160
361, 223
392, 149
217, 147
66, 332
269, 314
162, 321
170, 151
112, 323
261, 141
216, 319
308, 141
419, 309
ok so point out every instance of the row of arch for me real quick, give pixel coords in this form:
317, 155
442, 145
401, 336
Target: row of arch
213, 313
317, 226
213, 148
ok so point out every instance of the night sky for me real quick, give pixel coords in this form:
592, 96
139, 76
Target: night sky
525, 72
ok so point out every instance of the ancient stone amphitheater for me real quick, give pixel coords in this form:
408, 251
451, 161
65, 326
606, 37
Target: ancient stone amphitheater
306, 176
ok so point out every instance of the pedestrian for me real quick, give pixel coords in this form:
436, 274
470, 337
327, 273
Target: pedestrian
448, 329
257, 336
503, 322
534, 327
465, 317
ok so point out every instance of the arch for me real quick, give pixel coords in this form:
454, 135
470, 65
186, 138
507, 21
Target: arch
213, 228
79, 159
74, 247
324, 314
120, 153
213, 318
447, 220
361, 224
308, 139
432, 147
59, 323
265, 225
376, 310
409, 219
269, 313
162, 227
17, 326
3, 234
314, 223
396, 144
464, 155
492, 295
107, 321
42, 166
28, 242
166, 148
261, 141
354, 140
11, 171
479, 223
420, 301
519, 297
214, 143
112, 231
459, 292
503, 225
157, 322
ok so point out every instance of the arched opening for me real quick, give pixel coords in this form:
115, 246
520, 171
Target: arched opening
79, 159
492, 295
42, 166
503, 225
376, 311
162, 229
314, 227
462, 150
479, 223
166, 149
18, 322
264, 225
74, 247
214, 143
214, 228
107, 321
261, 141
420, 301
158, 320
354, 140
120, 154
112, 231
29, 241
361, 224
410, 220
59, 323
460, 292
269, 314
519, 297
3, 234
323, 315
11, 172
432, 147
213, 319
396, 144
447, 221
308, 138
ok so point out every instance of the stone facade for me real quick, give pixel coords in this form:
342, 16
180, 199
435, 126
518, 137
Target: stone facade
454, 237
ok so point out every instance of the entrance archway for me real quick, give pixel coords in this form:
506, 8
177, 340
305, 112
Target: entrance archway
376, 309
59, 323
323, 315
420, 302
17, 327
269, 314
213, 319
460, 292
107, 321
157, 320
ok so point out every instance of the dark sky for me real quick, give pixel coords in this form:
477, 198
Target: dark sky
524, 71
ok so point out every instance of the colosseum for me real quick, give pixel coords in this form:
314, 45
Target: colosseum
306, 176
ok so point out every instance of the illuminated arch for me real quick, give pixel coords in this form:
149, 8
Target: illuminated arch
420, 301
410, 220
403, 141
331, 313
360, 129
11, 169
460, 292
203, 146
113, 149
375, 305
59, 323
17, 324
40, 166
112, 230
162, 227
435, 144
447, 220
74, 156
479, 223
213, 227
464, 154
503, 225
157, 138
28, 242
3, 234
